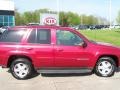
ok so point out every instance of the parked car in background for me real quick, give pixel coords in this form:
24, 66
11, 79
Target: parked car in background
114, 27
2, 29
54, 49
117, 26
83, 27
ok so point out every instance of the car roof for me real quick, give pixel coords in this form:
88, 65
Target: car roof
38, 26
45, 27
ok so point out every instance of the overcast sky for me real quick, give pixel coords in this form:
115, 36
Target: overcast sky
94, 7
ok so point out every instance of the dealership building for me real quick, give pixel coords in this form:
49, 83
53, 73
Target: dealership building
7, 14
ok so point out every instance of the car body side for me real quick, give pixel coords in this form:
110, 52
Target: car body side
9, 51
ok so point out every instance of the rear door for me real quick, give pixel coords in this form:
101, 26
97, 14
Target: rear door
39, 43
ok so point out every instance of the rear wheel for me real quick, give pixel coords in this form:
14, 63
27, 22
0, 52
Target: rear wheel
21, 68
105, 67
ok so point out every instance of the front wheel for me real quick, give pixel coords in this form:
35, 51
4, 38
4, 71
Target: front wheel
21, 68
105, 67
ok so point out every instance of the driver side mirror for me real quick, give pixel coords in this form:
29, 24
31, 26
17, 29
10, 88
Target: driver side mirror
83, 44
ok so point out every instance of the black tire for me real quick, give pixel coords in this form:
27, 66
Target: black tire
27, 67
112, 67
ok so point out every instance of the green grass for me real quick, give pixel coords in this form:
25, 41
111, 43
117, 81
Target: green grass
109, 36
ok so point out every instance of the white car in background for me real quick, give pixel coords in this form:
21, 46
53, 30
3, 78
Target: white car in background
2, 29
114, 27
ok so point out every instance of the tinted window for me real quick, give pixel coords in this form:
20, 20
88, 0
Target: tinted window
12, 36
43, 36
5, 18
32, 37
1, 24
68, 38
11, 19
1, 18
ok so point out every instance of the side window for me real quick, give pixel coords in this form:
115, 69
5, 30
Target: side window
32, 37
67, 38
12, 36
44, 36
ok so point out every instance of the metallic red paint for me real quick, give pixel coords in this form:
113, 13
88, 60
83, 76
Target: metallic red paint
52, 55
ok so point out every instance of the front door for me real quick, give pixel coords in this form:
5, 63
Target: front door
69, 51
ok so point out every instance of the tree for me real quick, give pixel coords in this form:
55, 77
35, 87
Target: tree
18, 18
73, 18
28, 17
65, 18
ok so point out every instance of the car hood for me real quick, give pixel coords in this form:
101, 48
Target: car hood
104, 43
108, 45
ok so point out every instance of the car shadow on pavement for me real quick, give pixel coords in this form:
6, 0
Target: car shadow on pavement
35, 74
66, 75
58, 75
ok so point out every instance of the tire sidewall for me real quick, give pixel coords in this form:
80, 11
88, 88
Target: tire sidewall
111, 61
24, 61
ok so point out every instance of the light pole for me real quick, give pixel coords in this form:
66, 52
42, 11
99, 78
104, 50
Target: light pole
81, 20
110, 18
58, 10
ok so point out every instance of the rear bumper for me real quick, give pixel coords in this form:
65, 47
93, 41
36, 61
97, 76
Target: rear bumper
3, 66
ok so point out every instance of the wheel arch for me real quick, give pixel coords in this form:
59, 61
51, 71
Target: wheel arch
13, 57
114, 57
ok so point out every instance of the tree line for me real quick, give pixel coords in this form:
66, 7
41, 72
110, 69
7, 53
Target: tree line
65, 18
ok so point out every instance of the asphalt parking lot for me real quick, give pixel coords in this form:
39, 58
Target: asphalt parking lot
59, 82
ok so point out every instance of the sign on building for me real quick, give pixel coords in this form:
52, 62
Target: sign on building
49, 19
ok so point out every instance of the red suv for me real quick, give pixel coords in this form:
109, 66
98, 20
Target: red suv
53, 49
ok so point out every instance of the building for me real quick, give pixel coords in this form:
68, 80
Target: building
7, 14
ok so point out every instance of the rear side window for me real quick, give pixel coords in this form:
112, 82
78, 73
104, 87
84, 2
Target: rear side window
32, 37
12, 36
42, 36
